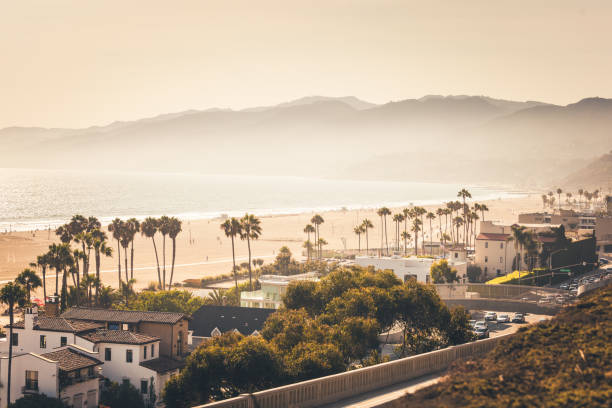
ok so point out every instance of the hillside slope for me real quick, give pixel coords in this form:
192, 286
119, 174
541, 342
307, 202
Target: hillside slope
597, 174
565, 362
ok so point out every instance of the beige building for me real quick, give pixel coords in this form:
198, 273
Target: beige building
273, 288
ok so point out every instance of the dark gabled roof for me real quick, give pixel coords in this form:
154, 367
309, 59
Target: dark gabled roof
121, 316
227, 318
70, 360
118, 336
163, 364
59, 324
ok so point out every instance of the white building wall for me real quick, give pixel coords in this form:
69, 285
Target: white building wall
29, 341
86, 388
494, 257
47, 376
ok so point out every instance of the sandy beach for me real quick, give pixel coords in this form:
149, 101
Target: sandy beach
209, 252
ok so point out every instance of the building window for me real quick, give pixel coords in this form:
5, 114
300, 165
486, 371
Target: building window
63, 341
144, 387
128, 356
107, 354
113, 326
90, 372
126, 381
152, 350
15, 339
43, 341
31, 380
486, 244
501, 245
145, 353
486, 259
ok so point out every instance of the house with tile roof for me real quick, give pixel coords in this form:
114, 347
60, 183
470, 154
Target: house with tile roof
68, 373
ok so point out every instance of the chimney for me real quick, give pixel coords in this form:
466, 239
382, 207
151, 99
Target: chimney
30, 317
52, 306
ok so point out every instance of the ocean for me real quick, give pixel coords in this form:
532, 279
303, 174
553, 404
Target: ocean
38, 199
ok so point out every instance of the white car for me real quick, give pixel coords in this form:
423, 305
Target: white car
490, 316
503, 318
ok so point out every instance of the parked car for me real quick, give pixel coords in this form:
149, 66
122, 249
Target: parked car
481, 324
490, 316
472, 323
518, 318
481, 333
503, 318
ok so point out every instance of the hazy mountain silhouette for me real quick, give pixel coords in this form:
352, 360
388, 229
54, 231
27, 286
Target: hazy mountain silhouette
596, 175
435, 138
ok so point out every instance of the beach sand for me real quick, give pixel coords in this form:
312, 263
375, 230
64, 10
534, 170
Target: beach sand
209, 252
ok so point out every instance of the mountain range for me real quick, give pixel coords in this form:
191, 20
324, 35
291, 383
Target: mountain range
462, 138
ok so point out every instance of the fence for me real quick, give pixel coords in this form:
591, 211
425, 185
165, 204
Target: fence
333, 388
460, 291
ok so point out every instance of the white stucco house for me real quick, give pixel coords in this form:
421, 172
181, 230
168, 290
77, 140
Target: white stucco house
273, 288
413, 267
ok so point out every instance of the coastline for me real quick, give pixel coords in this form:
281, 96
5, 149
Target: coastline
203, 250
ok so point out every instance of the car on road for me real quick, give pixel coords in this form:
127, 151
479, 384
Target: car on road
503, 318
490, 316
481, 333
472, 323
518, 318
564, 286
481, 324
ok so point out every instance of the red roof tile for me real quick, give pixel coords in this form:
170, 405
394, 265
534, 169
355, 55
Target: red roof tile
493, 237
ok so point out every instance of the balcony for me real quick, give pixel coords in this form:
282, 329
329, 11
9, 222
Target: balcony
31, 387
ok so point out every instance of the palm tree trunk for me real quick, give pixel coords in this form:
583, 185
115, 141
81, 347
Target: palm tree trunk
97, 272
234, 264
250, 273
132, 260
157, 260
405, 232
10, 359
164, 261
119, 263
57, 272
125, 260
359, 244
386, 237
367, 242
174, 258
44, 274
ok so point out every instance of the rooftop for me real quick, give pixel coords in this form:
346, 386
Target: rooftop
59, 324
71, 360
227, 318
493, 237
285, 279
121, 316
118, 336
163, 364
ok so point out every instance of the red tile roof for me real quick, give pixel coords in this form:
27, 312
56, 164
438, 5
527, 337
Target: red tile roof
118, 336
493, 237
59, 324
70, 360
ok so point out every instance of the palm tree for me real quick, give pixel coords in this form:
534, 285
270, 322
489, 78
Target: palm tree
42, 261
75, 273
580, 193
397, 219
132, 227
568, 197
251, 229
416, 228
149, 228
89, 282
164, 228
232, 228
474, 218
463, 193
367, 224
458, 221
559, 191
320, 243
518, 236
100, 248
125, 244
483, 209
383, 212
116, 228
430, 216
30, 280
107, 296
216, 297
317, 220
11, 294
440, 213
308, 229
544, 200
175, 229
60, 259
358, 230
406, 237
127, 289
407, 213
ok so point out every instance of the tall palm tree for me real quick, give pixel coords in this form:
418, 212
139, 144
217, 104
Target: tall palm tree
127, 289
397, 219
309, 229
116, 228
379, 212
416, 228
367, 224
419, 212
321, 243
383, 212
544, 200
175, 229
405, 237
126, 237
11, 294
132, 227
77, 255
89, 282
30, 280
568, 197
474, 218
232, 228
463, 193
317, 220
580, 193
559, 191
430, 216
42, 261
358, 230
440, 213
100, 248
149, 228
458, 221
518, 236
407, 213
251, 229
164, 228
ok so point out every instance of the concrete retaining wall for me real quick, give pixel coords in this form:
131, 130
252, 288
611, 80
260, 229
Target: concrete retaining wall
510, 306
325, 390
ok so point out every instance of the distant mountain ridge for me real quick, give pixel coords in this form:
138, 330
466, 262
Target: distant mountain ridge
492, 139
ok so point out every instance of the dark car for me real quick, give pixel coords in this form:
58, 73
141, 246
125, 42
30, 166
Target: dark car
481, 333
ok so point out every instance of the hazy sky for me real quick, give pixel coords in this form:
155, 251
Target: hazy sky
79, 63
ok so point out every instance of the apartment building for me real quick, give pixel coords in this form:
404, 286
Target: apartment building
273, 288
414, 267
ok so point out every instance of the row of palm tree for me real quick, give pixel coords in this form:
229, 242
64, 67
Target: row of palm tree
314, 227
548, 200
246, 228
124, 232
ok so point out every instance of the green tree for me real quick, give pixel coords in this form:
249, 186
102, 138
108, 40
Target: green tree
11, 294
442, 272
473, 273
309, 229
37, 401
30, 280
121, 396
251, 229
